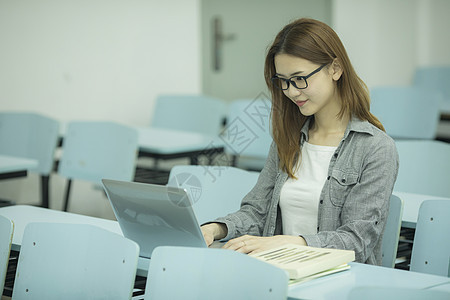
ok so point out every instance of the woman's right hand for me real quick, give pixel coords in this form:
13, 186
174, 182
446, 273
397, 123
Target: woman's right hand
213, 231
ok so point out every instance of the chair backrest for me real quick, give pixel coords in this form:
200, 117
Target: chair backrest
96, 150
6, 235
431, 246
424, 167
394, 293
403, 114
392, 232
247, 134
29, 135
434, 78
215, 191
196, 113
74, 261
203, 273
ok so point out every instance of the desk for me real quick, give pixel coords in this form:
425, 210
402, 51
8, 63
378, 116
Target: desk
21, 215
445, 107
337, 286
334, 286
162, 143
411, 205
442, 287
12, 167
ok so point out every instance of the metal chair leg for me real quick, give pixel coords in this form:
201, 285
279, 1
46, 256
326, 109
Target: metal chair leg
66, 202
45, 182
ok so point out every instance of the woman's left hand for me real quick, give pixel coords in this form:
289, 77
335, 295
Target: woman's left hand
254, 244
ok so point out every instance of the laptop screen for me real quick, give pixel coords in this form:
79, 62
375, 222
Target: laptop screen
154, 215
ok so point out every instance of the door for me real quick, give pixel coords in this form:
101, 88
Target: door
235, 38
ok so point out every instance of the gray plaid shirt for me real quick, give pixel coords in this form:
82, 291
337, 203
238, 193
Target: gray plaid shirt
354, 201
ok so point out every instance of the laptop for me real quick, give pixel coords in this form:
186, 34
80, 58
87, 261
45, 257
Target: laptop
154, 215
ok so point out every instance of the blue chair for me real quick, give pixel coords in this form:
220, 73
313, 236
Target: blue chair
434, 78
196, 113
431, 246
424, 167
407, 112
392, 232
6, 235
204, 273
247, 135
74, 261
96, 150
34, 136
394, 293
215, 191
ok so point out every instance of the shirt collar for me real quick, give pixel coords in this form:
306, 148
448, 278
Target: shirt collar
354, 124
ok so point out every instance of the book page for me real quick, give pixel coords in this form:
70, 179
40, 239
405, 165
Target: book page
303, 261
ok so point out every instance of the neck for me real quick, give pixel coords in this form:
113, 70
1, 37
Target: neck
330, 125
327, 121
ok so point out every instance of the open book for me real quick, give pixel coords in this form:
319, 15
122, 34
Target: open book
304, 262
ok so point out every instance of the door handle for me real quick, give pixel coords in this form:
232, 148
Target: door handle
218, 40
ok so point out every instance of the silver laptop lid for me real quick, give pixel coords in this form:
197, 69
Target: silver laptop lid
154, 215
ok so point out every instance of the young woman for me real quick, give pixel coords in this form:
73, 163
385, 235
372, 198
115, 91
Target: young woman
331, 169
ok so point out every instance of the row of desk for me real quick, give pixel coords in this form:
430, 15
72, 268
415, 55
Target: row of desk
156, 143
335, 286
153, 142
161, 143
12, 167
166, 144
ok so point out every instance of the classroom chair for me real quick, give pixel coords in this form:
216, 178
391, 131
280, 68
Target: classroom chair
392, 232
92, 151
207, 273
6, 235
395, 293
424, 167
196, 113
407, 112
247, 135
434, 78
215, 191
431, 246
74, 261
34, 136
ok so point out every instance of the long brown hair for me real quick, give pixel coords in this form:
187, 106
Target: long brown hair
317, 42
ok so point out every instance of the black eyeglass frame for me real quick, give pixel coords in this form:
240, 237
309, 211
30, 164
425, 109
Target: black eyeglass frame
290, 81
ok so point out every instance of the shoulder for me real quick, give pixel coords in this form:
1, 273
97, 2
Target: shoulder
368, 132
373, 141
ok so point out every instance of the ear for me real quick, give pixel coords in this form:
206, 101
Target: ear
336, 69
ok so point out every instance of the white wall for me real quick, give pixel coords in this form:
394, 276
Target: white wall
387, 39
102, 59
93, 59
433, 42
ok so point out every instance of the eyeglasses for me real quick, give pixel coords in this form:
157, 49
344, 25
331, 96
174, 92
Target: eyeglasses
298, 82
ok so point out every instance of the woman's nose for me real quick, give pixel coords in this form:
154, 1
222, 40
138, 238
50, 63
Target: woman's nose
292, 91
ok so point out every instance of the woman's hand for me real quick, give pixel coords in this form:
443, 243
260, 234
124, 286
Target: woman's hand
254, 244
213, 231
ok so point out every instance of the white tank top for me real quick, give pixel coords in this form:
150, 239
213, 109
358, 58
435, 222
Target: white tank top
299, 199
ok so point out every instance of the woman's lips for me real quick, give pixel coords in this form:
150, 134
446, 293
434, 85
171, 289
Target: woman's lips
300, 103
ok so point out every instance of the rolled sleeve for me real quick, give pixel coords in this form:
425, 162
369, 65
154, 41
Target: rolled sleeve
252, 215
